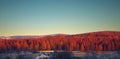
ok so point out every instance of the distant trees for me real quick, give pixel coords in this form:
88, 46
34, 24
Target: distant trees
86, 42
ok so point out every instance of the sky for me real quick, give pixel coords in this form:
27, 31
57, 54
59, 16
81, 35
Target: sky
43, 17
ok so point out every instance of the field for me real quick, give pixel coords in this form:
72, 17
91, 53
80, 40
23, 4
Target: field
95, 45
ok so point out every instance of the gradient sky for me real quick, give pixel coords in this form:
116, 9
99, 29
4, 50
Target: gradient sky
41, 17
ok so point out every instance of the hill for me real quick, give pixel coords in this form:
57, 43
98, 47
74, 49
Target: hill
94, 41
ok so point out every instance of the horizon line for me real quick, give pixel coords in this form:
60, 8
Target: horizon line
59, 33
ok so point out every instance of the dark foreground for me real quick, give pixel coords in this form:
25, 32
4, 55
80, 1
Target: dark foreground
62, 55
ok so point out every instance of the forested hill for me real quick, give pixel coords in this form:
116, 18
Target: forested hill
94, 41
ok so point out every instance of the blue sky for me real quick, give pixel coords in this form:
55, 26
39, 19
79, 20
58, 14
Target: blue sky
41, 17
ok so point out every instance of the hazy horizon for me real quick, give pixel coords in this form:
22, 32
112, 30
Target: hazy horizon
44, 17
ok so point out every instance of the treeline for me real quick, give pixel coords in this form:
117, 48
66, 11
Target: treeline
86, 42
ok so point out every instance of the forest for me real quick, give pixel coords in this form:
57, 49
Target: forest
95, 41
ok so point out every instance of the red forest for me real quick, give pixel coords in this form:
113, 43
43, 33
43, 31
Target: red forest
95, 41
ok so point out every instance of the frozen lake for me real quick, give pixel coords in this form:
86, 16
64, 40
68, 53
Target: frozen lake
63, 55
